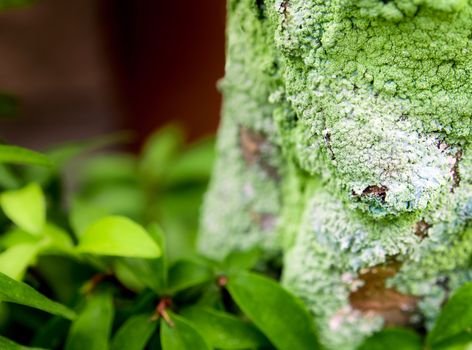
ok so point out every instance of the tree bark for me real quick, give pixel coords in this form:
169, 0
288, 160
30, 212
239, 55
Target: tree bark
345, 144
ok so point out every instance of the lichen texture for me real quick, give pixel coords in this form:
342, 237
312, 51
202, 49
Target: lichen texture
345, 145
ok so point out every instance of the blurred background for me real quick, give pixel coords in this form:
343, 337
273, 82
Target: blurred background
82, 68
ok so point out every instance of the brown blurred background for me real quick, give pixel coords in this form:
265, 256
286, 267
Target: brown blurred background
81, 68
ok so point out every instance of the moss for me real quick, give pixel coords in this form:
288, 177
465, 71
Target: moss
367, 110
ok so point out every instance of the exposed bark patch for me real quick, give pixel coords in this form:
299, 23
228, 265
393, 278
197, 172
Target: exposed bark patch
379, 192
253, 144
421, 229
327, 139
266, 222
456, 176
284, 6
284, 10
374, 298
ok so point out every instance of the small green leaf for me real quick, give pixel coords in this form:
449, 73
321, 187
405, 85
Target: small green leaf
455, 317
134, 334
17, 236
393, 339
277, 313
83, 214
462, 341
242, 260
55, 240
158, 152
8, 180
18, 155
223, 330
119, 167
7, 344
195, 164
139, 273
51, 334
62, 154
91, 330
20, 293
181, 336
25, 207
15, 260
150, 272
126, 199
118, 236
185, 274
51, 240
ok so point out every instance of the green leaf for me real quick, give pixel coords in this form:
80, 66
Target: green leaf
15, 260
62, 154
455, 317
277, 313
18, 155
110, 168
51, 240
462, 341
242, 260
20, 293
181, 336
83, 214
55, 240
7, 344
26, 207
118, 236
160, 266
51, 334
393, 339
91, 330
139, 273
134, 334
8, 180
195, 164
125, 199
158, 152
127, 275
17, 236
152, 273
223, 330
185, 274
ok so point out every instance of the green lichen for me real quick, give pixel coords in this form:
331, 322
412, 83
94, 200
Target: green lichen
366, 107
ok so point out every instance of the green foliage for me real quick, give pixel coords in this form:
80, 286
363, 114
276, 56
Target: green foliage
133, 284
259, 297
92, 329
126, 282
19, 293
455, 318
18, 155
181, 335
186, 274
393, 339
223, 330
7, 344
25, 207
118, 236
134, 334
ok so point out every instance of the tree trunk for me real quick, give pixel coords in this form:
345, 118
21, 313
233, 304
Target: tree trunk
345, 144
